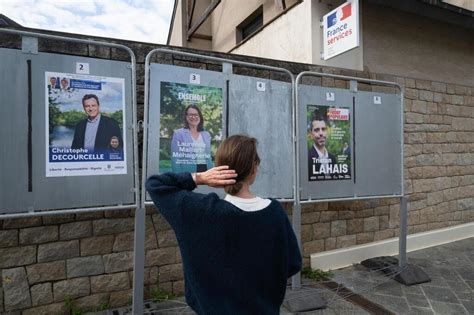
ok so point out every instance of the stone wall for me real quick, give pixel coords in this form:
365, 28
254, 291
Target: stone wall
86, 257
47, 262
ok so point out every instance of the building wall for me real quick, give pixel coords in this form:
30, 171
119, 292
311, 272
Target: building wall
178, 33
226, 17
297, 36
176, 29
88, 258
205, 29
229, 14
392, 41
405, 44
285, 38
466, 4
224, 37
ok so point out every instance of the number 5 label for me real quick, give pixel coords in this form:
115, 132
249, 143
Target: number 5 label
82, 68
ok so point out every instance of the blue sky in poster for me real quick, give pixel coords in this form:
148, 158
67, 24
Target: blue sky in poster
110, 97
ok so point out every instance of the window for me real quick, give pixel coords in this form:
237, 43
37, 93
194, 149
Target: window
251, 24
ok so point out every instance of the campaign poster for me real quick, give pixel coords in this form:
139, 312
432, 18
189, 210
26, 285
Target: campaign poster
190, 127
85, 119
329, 143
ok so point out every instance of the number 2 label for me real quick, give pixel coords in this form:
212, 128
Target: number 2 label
82, 67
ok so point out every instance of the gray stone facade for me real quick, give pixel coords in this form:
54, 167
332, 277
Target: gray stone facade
89, 257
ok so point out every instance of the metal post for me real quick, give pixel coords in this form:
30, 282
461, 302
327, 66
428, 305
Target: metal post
296, 223
402, 245
296, 216
139, 261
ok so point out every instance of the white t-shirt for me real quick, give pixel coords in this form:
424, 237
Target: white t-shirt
249, 205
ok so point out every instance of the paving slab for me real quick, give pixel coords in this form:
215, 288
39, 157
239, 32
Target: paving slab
448, 308
417, 300
450, 291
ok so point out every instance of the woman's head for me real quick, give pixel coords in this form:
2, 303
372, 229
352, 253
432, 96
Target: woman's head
193, 118
239, 152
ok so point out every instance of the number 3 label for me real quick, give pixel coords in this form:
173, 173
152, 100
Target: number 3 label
82, 68
194, 78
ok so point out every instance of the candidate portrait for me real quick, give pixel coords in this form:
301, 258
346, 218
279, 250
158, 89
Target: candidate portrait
96, 131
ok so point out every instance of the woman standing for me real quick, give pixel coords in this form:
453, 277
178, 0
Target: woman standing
237, 252
191, 145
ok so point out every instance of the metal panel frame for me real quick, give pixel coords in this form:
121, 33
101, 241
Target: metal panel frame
134, 127
244, 105
389, 177
355, 79
403, 201
316, 97
139, 254
25, 167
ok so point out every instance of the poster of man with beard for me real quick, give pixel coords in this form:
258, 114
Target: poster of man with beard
329, 156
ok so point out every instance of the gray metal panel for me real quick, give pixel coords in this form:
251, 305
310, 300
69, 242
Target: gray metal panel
377, 150
166, 73
315, 95
13, 132
265, 115
57, 192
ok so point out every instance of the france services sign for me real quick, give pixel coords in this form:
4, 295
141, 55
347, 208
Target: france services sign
341, 29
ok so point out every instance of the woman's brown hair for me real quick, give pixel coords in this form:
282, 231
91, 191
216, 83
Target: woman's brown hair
239, 152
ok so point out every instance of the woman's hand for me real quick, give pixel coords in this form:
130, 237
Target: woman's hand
219, 176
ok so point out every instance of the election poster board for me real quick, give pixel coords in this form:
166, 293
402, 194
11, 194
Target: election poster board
190, 126
341, 29
85, 119
328, 143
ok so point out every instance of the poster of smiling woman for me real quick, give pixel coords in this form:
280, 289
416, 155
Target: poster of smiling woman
85, 122
190, 127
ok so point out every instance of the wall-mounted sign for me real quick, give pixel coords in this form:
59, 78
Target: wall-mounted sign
341, 29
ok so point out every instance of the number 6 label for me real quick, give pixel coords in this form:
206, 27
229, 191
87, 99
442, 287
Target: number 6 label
82, 68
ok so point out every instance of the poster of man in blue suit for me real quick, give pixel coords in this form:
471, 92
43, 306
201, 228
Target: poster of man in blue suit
85, 125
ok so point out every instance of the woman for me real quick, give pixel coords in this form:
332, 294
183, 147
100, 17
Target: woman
191, 145
238, 251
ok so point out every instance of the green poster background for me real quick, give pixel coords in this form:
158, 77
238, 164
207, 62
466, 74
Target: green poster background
173, 104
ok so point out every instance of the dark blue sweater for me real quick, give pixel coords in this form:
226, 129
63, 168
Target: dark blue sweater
235, 262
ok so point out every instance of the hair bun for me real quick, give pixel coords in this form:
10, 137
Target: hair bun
233, 189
